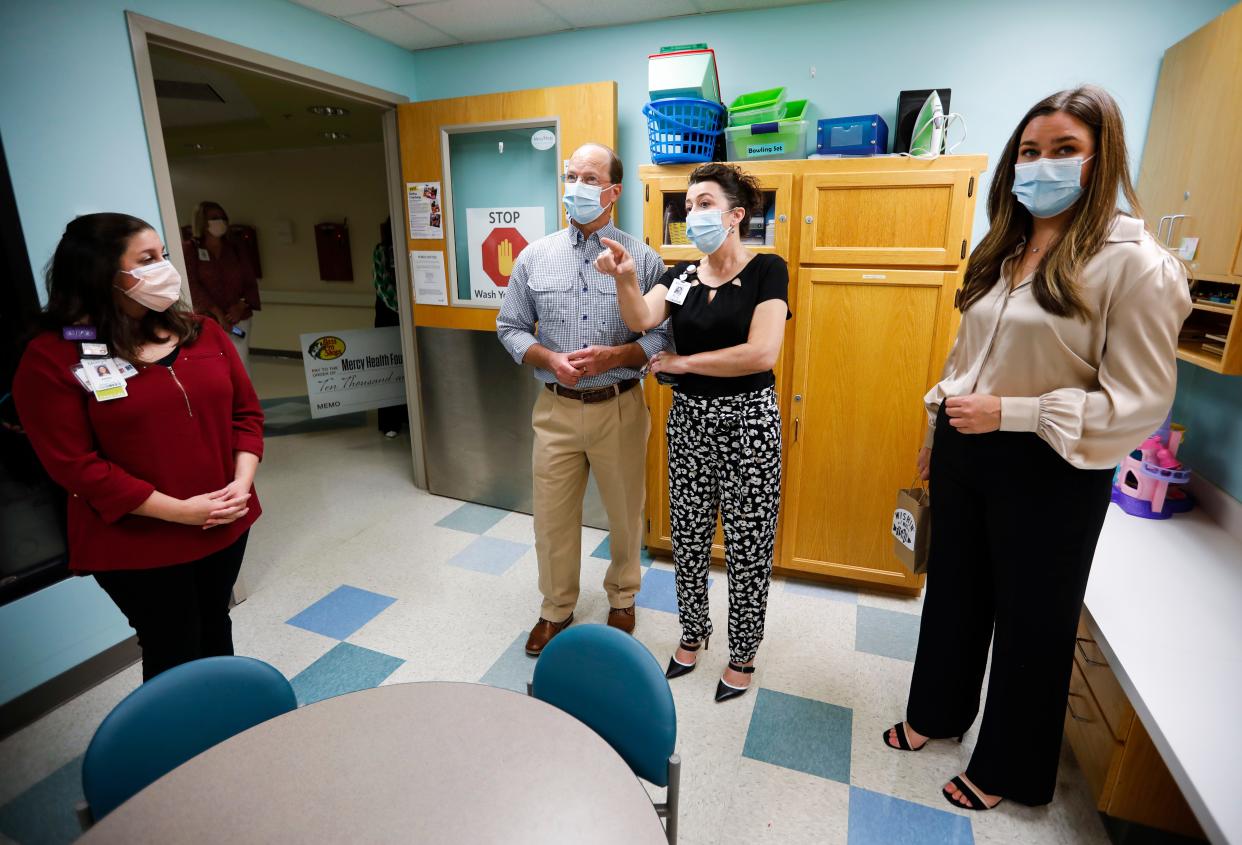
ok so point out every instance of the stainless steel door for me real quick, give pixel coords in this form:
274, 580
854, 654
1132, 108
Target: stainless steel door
476, 406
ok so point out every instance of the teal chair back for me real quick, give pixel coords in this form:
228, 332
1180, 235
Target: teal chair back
177, 715
610, 681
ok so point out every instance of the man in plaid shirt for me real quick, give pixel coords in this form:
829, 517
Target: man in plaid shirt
560, 315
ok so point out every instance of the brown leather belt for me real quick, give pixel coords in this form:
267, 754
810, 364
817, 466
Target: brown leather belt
599, 394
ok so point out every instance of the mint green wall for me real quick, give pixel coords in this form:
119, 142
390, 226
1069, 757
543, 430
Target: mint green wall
998, 57
1210, 406
75, 142
72, 124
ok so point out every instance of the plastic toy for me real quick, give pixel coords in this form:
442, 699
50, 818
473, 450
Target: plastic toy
1141, 485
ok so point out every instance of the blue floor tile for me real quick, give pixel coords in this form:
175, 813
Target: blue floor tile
604, 552
341, 612
659, 591
472, 518
513, 669
346, 668
43, 814
877, 819
489, 554
887, 633
801, 734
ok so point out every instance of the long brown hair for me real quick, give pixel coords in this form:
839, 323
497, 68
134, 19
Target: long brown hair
1055, 284
80, 279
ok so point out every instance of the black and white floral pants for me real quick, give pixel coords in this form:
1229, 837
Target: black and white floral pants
724, 454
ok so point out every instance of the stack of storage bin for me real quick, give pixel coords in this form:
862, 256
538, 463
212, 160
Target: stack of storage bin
763, 125
685, 117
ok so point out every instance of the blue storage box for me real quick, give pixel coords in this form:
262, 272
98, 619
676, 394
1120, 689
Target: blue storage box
860, 135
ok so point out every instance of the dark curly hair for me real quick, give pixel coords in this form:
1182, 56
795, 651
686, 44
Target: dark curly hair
739, 187
80, 278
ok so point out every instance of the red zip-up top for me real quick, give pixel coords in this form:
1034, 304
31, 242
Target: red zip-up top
175, 432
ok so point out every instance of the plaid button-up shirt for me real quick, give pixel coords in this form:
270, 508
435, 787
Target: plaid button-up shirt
557, 298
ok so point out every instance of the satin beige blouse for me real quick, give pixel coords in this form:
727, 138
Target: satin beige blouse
1094, 389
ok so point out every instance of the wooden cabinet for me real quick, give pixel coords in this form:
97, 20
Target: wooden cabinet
1191, 178
876, 249
1123, 768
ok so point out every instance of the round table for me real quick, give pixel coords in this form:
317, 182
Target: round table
422, 762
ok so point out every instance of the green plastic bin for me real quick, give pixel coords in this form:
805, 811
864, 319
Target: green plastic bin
757, 107
780, 139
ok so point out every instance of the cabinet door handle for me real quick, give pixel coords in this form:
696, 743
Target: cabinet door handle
1160, 227
1083, 651
1069, 704
797, 427
1173, 227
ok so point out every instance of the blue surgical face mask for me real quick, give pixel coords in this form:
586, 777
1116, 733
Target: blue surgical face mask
706, 229
581, 202
1048, 186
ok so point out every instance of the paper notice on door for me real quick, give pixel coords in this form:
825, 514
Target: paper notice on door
427, 273
423, 206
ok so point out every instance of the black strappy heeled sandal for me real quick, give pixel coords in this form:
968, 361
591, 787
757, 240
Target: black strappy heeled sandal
903, 741
724, 692
974, 801
675, 668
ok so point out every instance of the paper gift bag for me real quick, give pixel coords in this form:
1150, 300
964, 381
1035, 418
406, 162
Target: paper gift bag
912, 528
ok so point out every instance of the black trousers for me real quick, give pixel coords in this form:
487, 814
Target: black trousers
181, 612
1014, 528
393, 417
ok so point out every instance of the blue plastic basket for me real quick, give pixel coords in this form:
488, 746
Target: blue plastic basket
682, 130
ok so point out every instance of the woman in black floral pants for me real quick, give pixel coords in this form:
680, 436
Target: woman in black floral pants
728, 315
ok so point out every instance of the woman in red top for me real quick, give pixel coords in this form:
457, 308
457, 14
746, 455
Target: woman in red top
159, 476
222, 281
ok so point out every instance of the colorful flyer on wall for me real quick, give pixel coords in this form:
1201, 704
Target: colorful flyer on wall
427, 273
354, 370
423, 205
496, 237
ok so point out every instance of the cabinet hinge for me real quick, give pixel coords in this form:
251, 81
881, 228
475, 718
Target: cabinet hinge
648, 525
963, 249
970, 189
646, 192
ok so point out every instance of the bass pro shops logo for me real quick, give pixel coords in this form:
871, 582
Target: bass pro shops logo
327, 348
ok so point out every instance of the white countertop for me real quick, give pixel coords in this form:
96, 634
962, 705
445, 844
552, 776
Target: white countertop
1167, 599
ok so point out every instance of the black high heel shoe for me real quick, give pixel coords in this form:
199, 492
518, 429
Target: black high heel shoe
676, 669
903, 741
724, 692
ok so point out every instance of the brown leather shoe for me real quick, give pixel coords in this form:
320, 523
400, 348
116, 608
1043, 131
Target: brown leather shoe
622, 618
542, 634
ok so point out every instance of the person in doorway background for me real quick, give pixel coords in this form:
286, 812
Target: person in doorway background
384, 275
728, 313
160, 479
590, 417
1066, 360
222, 280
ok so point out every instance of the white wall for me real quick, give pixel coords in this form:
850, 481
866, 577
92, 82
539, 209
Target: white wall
302, 188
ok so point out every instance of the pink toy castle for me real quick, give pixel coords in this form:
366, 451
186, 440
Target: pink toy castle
1141, 486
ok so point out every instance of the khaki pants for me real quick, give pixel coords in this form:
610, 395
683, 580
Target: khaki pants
571, 439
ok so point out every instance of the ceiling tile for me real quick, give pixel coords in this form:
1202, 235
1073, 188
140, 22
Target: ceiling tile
399, 28
340, 8
739, 5
487, 20
588, 13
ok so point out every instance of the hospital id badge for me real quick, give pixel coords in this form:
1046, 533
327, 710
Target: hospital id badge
677, 293
104, 378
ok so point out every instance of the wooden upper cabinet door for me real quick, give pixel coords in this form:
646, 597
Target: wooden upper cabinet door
1213, 190
869, 344
665, 196
878, 219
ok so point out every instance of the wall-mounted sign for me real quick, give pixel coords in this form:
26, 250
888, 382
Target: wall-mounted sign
496, 237
543, 139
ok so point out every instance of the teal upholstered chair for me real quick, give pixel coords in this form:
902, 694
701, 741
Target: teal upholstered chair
609, 681
175, 716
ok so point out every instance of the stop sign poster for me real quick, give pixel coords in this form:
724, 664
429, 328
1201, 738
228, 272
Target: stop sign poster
496, 237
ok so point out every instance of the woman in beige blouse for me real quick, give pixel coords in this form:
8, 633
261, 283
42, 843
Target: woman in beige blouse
1065, 361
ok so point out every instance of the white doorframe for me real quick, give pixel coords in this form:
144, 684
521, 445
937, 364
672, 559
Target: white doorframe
144, 32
